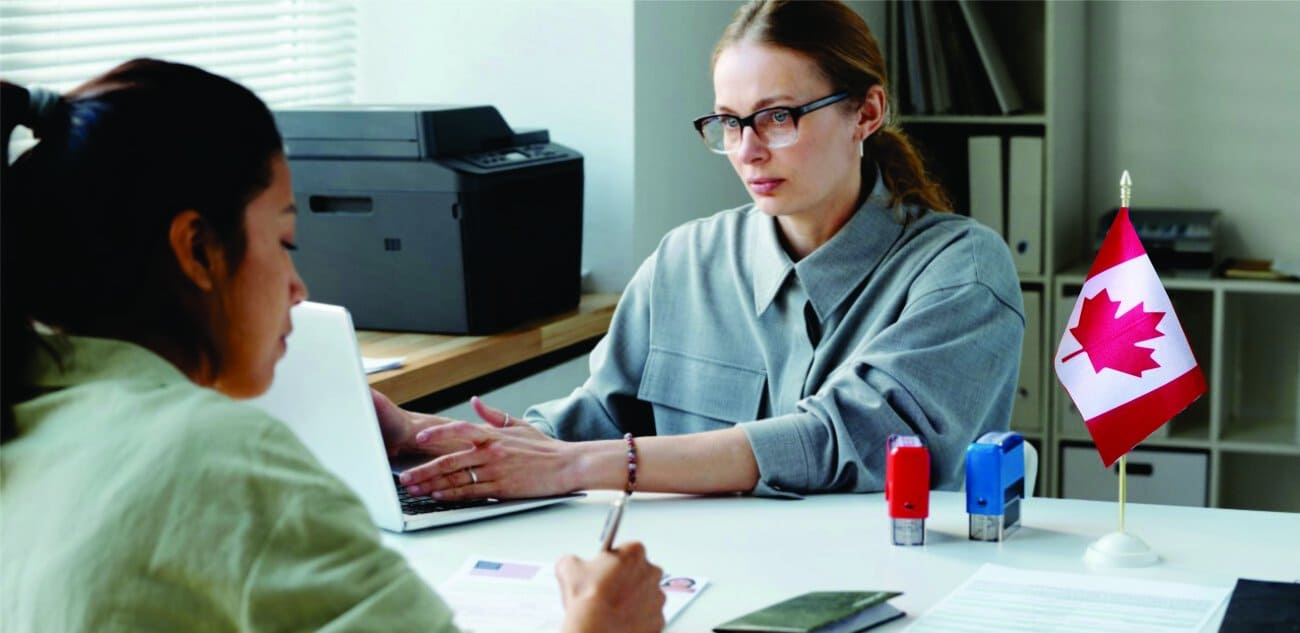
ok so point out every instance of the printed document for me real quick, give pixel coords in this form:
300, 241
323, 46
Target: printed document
373, 365
490, 595
999, 598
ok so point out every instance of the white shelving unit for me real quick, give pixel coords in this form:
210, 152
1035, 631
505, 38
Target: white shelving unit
1247, 341
1247, 427
1045, 45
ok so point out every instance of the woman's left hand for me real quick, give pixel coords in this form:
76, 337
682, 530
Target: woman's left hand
399, 428
506, 458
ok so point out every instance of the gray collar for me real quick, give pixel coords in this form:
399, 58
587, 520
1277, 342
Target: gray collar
830, 273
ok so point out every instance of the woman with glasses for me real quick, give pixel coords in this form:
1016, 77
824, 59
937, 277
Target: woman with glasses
774, 347
148, 234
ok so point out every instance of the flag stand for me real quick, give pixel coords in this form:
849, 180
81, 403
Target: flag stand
1119, 548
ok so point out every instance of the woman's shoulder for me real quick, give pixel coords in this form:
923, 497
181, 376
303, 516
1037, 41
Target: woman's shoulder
959, 250
204, 432
199, 414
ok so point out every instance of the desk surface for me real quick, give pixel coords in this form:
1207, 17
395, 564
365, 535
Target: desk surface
759, 551
435, 362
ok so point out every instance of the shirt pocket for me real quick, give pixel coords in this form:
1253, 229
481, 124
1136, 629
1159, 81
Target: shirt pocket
701, 386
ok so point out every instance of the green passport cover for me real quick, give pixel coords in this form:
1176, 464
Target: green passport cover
818, 611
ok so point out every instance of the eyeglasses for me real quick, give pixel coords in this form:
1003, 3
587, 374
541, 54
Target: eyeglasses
776, 127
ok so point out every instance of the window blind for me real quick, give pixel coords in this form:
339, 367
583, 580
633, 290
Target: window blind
289, 52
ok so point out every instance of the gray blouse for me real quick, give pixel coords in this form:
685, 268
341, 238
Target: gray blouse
889, 327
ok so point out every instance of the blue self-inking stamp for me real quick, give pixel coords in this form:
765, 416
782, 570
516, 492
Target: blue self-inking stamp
995, 484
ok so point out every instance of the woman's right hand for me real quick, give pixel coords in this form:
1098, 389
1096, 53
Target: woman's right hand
614, 591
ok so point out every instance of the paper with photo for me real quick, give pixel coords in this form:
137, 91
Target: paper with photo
482, 589
680, 591
997, 598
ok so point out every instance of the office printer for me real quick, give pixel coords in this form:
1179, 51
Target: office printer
437, 219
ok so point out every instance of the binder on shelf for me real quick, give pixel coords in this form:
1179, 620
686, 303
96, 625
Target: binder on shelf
971, 91
1025, 203
912, 65
936, 66
984, 158
1069, 422
1027, 412
1004, 88
893, 60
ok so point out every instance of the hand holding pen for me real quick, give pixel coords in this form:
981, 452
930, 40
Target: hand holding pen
612, 520
618, 584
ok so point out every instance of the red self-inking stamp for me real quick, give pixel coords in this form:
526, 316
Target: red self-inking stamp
907, 487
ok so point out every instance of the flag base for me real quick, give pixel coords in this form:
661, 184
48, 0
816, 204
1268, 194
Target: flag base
1120, 549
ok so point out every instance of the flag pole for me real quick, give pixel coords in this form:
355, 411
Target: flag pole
1125, 193
1123, 476
1121, 549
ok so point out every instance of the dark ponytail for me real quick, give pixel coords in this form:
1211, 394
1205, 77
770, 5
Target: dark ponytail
86, 211
17, 340
904, 171
839, 42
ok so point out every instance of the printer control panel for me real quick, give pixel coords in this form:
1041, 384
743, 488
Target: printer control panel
514, 155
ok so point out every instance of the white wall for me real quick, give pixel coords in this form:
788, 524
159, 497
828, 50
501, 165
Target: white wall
1200, 101
562, 65
677, 179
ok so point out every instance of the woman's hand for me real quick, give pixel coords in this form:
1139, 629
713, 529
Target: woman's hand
505, 458
502, 420
614, 591
394, 423
400, 427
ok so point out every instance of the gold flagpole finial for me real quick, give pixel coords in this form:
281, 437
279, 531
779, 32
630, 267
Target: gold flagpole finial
1125, 189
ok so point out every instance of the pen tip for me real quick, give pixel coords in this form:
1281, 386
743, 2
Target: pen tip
1125, 180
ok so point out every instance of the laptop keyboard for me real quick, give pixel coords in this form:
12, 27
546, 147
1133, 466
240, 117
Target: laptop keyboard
425, 505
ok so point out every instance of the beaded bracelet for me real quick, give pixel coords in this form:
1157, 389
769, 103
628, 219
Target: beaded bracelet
631, 463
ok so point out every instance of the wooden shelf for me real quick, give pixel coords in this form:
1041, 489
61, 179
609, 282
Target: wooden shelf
1260, 449
1075, 275
435, 362
1173, 441
974, 119
1281, 434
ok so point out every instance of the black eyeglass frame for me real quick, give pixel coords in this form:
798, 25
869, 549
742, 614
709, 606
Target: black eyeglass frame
796, 112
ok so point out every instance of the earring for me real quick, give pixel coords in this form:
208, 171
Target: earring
861, 152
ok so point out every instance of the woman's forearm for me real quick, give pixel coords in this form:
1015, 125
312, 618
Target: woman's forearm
698, 463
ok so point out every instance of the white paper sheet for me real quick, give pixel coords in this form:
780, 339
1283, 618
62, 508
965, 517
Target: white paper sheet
999, 598
492, 595
373, 365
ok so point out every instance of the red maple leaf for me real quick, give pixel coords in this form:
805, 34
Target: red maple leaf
1109, 337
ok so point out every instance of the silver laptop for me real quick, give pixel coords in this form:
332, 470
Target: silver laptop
320, 391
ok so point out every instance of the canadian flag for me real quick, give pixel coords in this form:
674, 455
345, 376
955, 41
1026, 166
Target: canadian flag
1123, 357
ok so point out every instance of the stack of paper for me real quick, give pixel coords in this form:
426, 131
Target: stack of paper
1005, 599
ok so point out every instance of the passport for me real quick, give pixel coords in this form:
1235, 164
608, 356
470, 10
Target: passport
819, 612
1258, 605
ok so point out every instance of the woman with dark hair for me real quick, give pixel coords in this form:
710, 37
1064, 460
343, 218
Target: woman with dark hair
773, 347
147, 283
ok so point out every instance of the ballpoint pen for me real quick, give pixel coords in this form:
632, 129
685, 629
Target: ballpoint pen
611, 523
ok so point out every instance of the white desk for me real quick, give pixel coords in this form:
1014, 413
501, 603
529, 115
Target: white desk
759, 551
